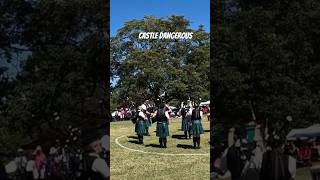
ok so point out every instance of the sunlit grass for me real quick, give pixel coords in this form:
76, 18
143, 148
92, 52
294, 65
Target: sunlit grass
126, 164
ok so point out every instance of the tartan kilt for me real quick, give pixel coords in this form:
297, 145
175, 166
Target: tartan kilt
140, 128
187, 126
148, 122
162, 129
182, 122
197, 128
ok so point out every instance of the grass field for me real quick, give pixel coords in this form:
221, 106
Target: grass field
129, 164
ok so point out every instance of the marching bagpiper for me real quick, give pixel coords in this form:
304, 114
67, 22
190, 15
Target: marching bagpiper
185, 112
148, 122
162, 118
197, 128
140, 127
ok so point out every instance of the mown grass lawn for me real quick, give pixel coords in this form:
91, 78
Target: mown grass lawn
127, 164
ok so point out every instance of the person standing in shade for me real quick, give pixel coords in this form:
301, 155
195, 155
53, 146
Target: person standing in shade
277, 165
162, 118
21, 162
96, 168
140, 128
197, 128
40, 163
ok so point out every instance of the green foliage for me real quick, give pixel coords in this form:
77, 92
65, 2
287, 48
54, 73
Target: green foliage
65, 72
147, 68
265, 57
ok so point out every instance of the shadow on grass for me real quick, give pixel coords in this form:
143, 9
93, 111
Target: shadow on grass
207, 130
178, 136
133, 137
185, 146
153, 145
134, 142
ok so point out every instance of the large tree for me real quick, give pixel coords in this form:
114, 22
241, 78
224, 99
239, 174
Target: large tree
147, 68
266, 61
63, 80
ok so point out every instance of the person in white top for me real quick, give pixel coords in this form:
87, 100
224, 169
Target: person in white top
140, 127
99, 168
21, 162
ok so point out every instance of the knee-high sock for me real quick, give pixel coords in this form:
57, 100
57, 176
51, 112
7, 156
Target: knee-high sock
160, 141
194, 142
165, 142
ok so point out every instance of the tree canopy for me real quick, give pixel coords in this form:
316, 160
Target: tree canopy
148, 68
63, 78
266, 58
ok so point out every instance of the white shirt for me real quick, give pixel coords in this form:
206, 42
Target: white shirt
30, 166
292, 166
99, 165
167, 114
257, 157
141, 114
105, 142
21, 161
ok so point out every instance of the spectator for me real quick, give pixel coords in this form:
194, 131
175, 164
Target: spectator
31, 167
40, 162
21, 162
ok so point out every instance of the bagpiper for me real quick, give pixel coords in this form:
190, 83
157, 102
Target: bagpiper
140, 127
186, 118
162, 118
148, 122
197, 128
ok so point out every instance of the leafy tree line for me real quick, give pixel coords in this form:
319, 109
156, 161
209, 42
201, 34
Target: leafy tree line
148, 68
266, 60
63, 80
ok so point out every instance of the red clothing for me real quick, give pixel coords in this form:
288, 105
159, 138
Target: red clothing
40, 160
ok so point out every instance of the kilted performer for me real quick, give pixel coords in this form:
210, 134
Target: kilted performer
148, 123
187, 126
183, 112
197, 128
140, 128
162, 118
183, 116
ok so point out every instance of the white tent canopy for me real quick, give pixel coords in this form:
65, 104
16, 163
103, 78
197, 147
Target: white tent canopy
205, 103
309, 132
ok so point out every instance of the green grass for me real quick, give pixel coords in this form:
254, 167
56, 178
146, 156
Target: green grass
126, 164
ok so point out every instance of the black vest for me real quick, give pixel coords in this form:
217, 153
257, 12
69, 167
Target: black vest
183, 112
275, 166
90, 174
161, 116
195, 114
